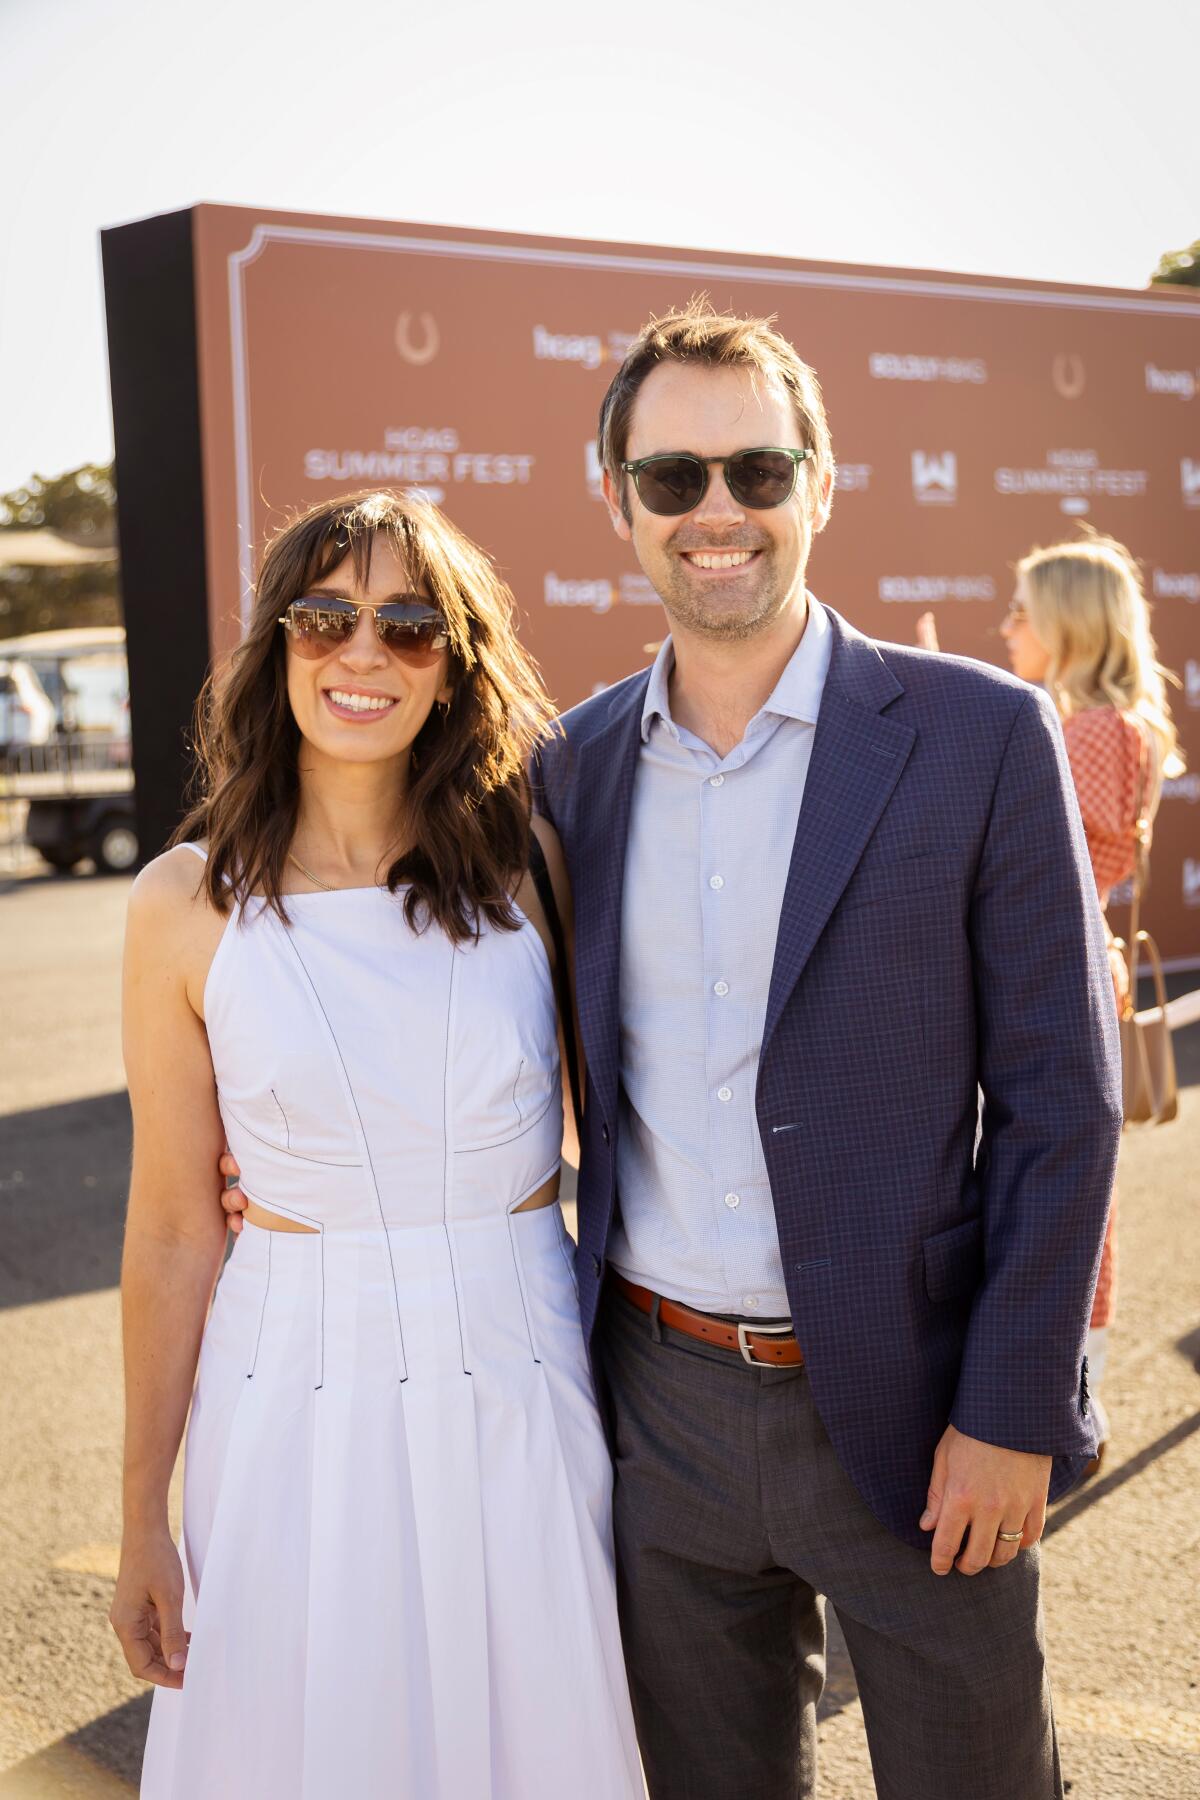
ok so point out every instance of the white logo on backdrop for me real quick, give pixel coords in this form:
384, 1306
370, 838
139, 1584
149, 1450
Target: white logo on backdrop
1189, 480
418, 354
1179, 382
853, 478
920, 590
1176, 587
1191, 882
886, 365
586, 349
935, 478
550, 346
416, 455
1191, 683
596, 596
1182, 787
1076, 477
638, 590
1068, 374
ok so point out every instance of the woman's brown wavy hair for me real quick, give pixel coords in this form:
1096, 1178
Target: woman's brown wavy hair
467, 804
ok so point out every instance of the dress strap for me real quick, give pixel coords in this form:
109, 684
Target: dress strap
198, 849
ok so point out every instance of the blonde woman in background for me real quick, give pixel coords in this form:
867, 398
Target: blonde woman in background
1079, 626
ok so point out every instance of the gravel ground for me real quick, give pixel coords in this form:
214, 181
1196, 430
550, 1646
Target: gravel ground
1122, 1567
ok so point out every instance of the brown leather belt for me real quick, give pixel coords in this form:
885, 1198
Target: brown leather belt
772, 1345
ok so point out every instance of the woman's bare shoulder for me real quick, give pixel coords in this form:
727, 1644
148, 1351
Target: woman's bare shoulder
170, 890
173, 927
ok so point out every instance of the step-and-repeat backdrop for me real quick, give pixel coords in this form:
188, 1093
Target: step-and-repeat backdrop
971, 420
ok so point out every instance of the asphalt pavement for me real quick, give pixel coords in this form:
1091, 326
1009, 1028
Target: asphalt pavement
1122, 1562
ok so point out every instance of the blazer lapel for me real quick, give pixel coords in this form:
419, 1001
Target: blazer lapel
607, 766
857, 758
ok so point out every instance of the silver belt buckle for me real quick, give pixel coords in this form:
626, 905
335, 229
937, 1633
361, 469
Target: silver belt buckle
759, 1331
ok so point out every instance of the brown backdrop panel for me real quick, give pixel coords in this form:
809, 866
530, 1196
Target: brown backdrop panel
971, 419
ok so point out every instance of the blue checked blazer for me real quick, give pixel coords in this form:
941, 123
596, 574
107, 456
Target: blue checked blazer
939, 940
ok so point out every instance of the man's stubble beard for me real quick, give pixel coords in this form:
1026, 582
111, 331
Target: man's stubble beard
685, 609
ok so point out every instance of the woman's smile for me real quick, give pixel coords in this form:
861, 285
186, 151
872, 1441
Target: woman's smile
361, 706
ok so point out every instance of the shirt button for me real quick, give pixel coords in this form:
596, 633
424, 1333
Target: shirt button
716, 781
716, 881
725, 1093
721, 988
733, 1201
750, 1302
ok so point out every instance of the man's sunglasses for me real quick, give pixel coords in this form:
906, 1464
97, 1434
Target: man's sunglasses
672, 484
409, 628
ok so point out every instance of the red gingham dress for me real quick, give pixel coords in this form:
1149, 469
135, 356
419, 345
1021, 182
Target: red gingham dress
1106, 749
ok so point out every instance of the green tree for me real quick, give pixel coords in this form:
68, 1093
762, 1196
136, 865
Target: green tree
1180, 268
81, 507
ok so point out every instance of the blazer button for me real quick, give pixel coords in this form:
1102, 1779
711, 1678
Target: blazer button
596, 1265
604, 1134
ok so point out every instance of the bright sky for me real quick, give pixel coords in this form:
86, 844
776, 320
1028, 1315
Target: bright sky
1039, 138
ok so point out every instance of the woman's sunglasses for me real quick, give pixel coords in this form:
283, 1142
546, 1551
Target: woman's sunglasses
674, 483
409, 628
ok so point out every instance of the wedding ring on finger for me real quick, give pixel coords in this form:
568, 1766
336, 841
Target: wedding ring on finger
1009, 1537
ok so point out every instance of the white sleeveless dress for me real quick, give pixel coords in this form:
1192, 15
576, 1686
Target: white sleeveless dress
397, 1534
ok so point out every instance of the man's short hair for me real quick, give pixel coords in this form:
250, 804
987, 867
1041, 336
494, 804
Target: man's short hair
698, 333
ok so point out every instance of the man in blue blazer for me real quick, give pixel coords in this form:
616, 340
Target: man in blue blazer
851, 1122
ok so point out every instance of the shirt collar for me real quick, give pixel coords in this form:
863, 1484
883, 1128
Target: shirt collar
796, 695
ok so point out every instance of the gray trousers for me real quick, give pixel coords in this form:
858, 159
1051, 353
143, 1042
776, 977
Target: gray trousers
733, 1520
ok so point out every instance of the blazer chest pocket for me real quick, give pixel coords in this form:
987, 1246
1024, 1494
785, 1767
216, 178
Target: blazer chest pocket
880, 881
954, 1260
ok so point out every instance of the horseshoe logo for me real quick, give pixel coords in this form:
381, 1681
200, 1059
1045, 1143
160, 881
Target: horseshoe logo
424, 352
1070, 376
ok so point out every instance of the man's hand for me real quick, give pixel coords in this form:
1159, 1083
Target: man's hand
232, 1197
981, 1489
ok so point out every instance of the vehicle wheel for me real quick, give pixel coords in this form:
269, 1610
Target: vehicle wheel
115, 847
63, 861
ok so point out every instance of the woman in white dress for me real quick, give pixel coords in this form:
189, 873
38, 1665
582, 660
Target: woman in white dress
397, 1571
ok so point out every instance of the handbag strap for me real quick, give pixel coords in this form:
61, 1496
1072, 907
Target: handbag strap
1156, 970
562, 975
1141, 864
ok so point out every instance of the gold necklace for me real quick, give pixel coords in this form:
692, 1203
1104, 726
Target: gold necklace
315, 879
326, 887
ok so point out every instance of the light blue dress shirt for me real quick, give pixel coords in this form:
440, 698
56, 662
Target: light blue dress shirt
710, 843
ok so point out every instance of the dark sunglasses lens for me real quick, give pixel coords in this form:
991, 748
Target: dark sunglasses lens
671, 485
418, 642
761, 478
316, 630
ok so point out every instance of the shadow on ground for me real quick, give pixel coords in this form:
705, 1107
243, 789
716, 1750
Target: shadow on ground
64, 1177
102, 1761
28, 872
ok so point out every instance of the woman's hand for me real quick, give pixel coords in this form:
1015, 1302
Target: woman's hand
147, 1609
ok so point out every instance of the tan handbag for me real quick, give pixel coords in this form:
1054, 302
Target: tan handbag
1147, 1054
